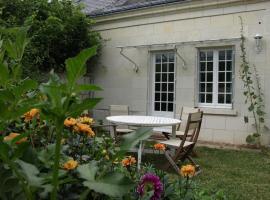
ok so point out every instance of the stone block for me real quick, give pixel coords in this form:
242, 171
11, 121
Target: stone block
215, 122
223, 136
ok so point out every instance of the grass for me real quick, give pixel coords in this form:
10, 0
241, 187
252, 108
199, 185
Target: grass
241, 175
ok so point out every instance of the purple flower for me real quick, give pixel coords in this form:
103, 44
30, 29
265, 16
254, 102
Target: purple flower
151, 181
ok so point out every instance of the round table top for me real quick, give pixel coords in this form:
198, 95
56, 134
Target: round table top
143, 120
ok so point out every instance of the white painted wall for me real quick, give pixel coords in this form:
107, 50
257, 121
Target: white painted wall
123, 86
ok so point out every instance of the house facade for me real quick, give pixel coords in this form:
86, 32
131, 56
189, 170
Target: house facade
161, 55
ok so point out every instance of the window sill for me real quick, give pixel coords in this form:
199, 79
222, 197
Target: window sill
219, 111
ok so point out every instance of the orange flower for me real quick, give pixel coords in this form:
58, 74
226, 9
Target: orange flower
187, 171
85, 120
70, 122
11, 136
84, 128
159, 146
31, 114
128, 161
71, 164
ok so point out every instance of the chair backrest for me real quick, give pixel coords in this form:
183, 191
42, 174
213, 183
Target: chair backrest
118, 110
185, 111
193, 125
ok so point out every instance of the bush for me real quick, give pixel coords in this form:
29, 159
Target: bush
58, 30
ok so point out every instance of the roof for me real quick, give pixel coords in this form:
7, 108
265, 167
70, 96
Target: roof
106, 7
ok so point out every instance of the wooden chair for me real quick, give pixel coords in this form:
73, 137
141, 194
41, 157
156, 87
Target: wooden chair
183, 147
120, 110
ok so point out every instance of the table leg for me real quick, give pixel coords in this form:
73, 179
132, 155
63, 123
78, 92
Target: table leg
174, 131
139, 160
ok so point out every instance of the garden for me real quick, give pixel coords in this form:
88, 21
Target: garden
51, 148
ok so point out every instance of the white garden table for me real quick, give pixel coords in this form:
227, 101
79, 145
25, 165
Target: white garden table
144, 121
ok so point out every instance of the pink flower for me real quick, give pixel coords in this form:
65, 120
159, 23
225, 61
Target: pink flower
152, 181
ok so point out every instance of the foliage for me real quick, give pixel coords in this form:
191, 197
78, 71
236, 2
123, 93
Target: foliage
253, 92
58, 30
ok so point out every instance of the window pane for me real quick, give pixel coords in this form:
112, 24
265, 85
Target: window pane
170, 87
171, 67
170, 97
221, 66
202, 77
158, 68
208, 98
157, 106
210, 56
228, 87
209, 87
164, 58
158, 58
229, 55
171, 77
228, 76
228, 98
171, 57
157, 87
170, 107
202, 98
157, 77
221, 98
221, 76
221, 55
229, 66
209, 66
164, 77
164, 67
164, 87
202, 66
163, 96
202, 56
157, 96
221, 87
202, 87
209, 77
163, 107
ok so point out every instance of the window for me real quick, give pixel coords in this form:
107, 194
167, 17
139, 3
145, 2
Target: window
164, 72
216, 78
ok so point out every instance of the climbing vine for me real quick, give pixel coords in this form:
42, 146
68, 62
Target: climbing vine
253, 91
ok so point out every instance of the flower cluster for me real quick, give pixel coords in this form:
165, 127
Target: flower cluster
80, 125
150, 182
71, 164
187, 171
12, 136
160, 147
128, 161
33, 113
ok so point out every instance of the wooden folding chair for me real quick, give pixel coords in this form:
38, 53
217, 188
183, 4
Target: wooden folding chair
183, 147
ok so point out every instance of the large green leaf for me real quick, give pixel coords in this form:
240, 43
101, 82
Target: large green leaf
89, 87
76, 66
130, 140
4, 75
24, 86
77, 108
88, 171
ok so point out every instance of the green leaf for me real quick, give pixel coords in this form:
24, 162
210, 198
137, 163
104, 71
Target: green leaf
112, 184
88, 87
88, 171
4, 75
130, 140
77, 108
31, 173
24, 86
75, 66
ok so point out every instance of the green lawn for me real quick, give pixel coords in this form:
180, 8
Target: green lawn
242, 175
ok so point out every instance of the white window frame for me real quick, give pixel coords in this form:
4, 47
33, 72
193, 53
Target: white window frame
215, 103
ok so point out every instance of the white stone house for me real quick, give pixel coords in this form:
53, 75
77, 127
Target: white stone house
161, 55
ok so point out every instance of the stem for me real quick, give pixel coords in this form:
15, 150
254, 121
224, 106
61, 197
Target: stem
55, 182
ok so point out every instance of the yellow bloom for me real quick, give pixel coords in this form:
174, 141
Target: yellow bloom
31, 114
107, 157
11, 136
70, 122
187, 171
128, 161
84, 128
71, 164
159, 146
85, 120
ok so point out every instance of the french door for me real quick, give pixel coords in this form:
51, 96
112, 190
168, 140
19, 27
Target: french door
163, 84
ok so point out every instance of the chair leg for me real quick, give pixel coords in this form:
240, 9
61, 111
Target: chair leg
171, 162
166, 135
